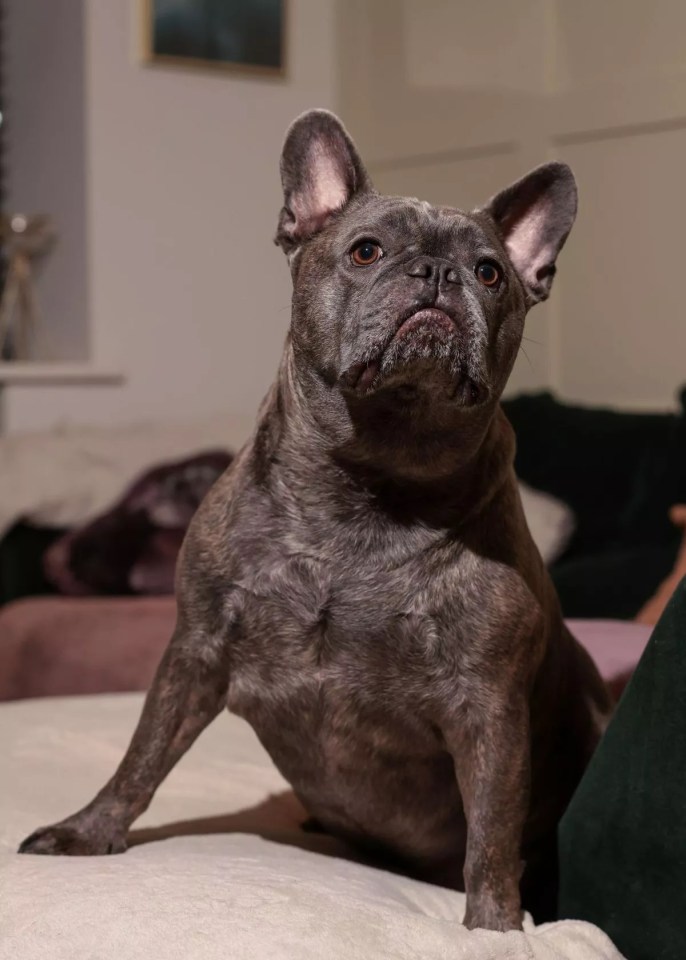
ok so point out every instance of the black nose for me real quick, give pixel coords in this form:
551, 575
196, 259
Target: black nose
433, 270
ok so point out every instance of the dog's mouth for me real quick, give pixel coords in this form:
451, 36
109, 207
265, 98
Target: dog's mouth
424, 338
430, 321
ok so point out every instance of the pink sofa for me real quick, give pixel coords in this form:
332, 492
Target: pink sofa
57, 646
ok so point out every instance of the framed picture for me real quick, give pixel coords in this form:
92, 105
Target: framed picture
240, 35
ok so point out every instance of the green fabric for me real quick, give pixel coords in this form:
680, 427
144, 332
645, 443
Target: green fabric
623, 837
620, 473
614, 583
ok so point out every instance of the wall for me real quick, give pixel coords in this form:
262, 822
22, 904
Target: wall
450, 100
45, 158
189, 296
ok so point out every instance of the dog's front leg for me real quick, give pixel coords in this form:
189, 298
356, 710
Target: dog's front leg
491, 753
185, 696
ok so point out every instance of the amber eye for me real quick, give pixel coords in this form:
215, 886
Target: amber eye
365, 253
488, 274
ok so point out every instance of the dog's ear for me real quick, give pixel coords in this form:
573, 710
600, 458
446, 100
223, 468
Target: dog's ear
533, 217
320, 172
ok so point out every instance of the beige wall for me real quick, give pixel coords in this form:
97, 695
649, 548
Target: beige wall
448, 100
188, 295
452, 99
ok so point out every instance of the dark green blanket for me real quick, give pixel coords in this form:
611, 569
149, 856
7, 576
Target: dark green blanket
620, 472
623, 838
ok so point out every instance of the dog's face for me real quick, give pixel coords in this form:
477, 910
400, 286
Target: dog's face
399, 302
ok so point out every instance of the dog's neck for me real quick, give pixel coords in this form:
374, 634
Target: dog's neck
433, 468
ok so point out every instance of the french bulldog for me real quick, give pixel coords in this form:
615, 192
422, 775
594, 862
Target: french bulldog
361, 585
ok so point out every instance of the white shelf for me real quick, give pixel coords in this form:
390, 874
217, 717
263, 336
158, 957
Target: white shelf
20, 373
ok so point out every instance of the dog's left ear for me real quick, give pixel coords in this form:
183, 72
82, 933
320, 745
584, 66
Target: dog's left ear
533, 217
320, 172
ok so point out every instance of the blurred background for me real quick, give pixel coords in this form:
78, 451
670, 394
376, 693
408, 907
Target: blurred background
163, 185
144, 314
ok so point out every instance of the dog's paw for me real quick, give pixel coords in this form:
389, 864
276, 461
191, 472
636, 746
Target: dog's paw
487, 914
65, 840
501, 924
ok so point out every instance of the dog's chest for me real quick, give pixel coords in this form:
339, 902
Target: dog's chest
325, 645
336, 669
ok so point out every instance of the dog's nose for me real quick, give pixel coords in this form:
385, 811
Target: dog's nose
433, 271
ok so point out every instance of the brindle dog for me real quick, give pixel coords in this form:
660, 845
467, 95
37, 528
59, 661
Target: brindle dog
361, 584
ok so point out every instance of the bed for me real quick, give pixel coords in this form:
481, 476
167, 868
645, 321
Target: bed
219, 867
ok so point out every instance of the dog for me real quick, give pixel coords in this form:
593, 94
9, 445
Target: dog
361, 585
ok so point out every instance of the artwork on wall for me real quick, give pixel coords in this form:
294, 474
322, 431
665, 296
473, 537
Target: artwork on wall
239, 35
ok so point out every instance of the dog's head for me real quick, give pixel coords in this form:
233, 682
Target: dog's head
402, 306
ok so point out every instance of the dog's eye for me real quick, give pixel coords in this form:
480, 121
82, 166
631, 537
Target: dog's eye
366, 253
488, 274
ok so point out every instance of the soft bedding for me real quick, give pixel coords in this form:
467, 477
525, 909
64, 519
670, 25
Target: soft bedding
225, 872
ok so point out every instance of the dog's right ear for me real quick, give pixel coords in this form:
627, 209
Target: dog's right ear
533, 217
320, 172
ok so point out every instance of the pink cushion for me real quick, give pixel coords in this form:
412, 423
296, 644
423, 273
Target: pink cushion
58, 646
615, 645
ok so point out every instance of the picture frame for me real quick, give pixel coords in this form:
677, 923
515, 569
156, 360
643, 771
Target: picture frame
235, 36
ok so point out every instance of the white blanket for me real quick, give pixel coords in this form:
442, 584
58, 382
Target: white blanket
230, 877
67, 476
